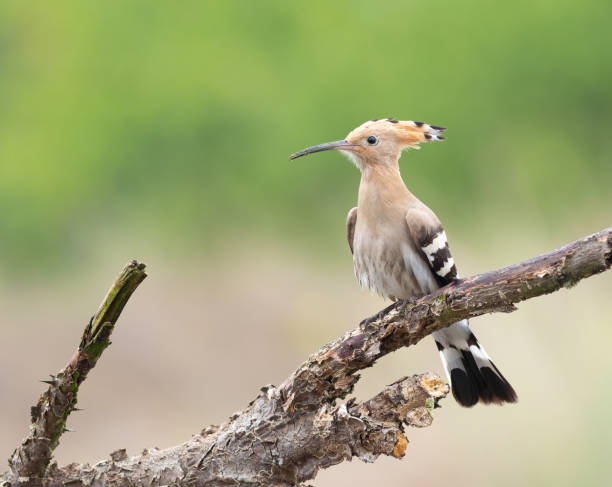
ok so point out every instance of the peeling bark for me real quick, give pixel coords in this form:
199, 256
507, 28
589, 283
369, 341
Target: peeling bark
265, 445
288, 433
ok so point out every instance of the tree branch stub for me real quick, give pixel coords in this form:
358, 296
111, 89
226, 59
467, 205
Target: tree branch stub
49, 415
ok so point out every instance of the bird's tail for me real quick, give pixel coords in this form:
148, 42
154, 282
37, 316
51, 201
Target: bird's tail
472, 374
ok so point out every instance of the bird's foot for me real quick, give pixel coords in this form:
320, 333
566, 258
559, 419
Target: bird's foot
403, 305
368, 321
378, 316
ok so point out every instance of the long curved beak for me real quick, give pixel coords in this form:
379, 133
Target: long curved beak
337, 145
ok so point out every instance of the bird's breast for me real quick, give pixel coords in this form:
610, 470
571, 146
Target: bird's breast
387, 263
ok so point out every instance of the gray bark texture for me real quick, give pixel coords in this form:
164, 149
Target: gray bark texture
287, 433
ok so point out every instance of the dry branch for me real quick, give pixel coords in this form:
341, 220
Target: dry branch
49, 415
288, 433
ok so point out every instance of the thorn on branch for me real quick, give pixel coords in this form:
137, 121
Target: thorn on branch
51, 382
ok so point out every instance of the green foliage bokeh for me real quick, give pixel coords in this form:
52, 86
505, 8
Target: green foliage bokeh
175, 120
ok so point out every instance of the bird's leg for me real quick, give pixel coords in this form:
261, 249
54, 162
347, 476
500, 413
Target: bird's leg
378, 316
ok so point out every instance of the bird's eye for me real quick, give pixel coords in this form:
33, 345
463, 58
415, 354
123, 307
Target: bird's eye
372, 140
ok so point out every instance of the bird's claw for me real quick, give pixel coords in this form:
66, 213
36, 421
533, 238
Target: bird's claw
403, 305
368, 321
378, 316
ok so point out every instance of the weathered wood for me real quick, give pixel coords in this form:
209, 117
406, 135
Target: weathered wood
288, 433
266, 445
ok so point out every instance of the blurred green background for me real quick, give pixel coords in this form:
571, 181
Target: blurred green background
161, 130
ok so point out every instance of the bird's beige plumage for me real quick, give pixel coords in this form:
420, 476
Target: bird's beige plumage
400, 250
386, 228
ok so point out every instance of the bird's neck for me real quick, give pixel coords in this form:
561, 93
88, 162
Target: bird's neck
382, 184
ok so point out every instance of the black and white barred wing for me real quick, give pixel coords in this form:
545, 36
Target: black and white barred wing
435, 248
472, 374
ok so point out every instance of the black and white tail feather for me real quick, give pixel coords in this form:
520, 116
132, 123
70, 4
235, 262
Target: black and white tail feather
472, 374
470, 371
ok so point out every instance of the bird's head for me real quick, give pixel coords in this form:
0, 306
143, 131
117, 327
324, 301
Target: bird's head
379, 141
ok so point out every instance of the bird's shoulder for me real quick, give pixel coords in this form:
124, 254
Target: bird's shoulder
423, 223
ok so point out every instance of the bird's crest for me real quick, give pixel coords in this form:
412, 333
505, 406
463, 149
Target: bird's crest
412, 133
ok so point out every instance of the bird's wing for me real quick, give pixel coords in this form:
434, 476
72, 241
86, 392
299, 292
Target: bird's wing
430, 238
351, 220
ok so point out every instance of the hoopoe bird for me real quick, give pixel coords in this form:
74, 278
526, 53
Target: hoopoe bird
400, 249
